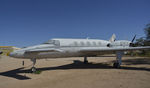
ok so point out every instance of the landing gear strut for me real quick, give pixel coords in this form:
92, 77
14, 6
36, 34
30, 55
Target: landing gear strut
85, 60
118, 59
33, 69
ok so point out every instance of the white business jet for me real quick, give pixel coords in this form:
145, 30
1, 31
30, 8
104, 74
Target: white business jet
60, 48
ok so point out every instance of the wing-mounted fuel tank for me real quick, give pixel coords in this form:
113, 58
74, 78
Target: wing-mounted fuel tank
120, 43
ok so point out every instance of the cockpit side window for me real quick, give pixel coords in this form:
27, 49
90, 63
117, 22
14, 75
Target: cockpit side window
57, 43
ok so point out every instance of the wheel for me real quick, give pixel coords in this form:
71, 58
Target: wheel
116, 65
85, 62
33, 69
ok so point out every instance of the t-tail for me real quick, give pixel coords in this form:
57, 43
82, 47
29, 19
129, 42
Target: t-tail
113, 38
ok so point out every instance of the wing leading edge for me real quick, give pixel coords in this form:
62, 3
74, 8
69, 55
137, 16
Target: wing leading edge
91, 49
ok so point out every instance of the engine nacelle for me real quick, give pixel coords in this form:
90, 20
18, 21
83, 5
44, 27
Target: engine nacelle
120, 43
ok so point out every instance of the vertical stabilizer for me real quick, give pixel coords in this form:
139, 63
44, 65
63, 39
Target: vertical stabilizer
113, 38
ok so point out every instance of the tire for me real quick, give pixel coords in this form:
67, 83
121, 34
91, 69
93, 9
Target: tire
116, 65
85, 62
33, 69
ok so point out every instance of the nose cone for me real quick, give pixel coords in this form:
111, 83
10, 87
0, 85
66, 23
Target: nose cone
12, 54
16, 54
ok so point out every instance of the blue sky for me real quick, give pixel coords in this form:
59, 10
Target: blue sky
29, 22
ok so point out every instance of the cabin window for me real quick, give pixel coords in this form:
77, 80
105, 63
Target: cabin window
75, 44
94, 43
82, 43
88, 44
99, 43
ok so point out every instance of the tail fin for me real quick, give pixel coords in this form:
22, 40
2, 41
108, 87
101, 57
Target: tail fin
113, 38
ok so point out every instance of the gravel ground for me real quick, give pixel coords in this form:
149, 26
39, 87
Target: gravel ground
72, 73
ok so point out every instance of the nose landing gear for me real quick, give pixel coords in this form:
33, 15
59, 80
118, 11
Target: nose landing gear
33, 69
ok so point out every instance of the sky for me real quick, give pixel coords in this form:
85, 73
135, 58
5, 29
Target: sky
31, 22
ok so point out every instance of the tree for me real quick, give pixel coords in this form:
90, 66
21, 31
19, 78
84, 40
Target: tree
140, 42
147, 32
144, 41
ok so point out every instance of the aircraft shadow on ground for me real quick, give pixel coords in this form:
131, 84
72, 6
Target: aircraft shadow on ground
80, 65
137, 61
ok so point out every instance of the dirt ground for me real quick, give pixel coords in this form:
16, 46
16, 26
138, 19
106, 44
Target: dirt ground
72, 73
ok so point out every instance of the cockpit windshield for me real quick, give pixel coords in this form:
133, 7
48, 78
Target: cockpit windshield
49, 42
55, 42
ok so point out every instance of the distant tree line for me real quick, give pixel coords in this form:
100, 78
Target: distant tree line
144, 41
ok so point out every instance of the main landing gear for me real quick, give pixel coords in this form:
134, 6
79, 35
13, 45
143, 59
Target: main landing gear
85, 60
33, 69
118, 59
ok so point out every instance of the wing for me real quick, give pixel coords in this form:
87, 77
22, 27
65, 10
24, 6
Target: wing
43, 50
113, 49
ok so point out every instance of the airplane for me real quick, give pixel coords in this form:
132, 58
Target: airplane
67, 47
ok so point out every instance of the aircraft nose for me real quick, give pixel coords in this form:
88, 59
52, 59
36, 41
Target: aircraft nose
16, 54
12, 54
